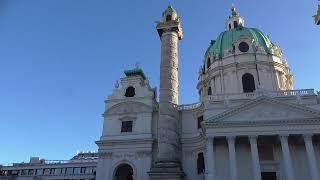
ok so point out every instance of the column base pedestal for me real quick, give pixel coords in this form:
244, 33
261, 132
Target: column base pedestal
166, 171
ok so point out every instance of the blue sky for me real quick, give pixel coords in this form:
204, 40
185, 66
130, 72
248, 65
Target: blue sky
59, 60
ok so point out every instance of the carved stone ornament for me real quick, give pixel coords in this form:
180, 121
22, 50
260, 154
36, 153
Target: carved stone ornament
265, 109
128, 107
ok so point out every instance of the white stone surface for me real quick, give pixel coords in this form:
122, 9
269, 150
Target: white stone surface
166, 131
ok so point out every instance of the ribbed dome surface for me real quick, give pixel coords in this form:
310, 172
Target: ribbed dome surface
227, 38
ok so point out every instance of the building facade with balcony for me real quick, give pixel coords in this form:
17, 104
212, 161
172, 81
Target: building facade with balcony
81, 167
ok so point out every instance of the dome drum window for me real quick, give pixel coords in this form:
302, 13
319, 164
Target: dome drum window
235, 24
248, 83
168, 17
208, 63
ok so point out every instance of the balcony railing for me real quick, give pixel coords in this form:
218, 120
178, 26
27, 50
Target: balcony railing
189, 106
253, 95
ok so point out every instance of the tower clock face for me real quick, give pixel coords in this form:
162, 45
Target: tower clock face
244, 47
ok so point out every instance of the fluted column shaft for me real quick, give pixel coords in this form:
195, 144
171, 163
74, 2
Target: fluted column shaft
286, 157
255, 158
232, 158
210, 160
311, 157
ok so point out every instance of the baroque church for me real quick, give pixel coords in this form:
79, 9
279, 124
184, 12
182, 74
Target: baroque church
249, 123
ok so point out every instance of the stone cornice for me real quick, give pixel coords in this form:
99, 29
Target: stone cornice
125, 108
254, 102
125, 141
194, 139
278, 122
125, 155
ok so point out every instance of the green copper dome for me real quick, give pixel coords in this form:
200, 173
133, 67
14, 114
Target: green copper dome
226, 40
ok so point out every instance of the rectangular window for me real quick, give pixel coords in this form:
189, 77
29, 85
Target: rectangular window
39, 171
57, 171
31, 172
76, 170
200, 119
83, 170
24, 172
46, 171
69, 171
13, 172
89, 170
126, 126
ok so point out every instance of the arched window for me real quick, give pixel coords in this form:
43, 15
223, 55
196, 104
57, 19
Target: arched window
229, 26
200, 163
248, 83
235, 24
208, 63
168, 18
124, 172
130, 92
209, 91
200, 119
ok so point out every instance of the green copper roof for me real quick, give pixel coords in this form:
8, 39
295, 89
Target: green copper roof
135, 72
226, 39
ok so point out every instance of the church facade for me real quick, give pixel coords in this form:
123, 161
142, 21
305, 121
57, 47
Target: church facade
249, 123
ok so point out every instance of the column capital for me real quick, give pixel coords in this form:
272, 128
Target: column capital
209, 138
283, 137
307, 137
253, 139
231, 138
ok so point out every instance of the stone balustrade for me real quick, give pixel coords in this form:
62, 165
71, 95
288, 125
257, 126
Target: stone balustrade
253, 95
189, 106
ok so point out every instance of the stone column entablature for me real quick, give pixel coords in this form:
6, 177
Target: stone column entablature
286, 155
311, 156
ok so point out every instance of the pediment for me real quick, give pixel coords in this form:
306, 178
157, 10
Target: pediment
128, 108
265, 109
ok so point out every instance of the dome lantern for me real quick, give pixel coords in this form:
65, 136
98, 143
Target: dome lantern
170, 14
235, 20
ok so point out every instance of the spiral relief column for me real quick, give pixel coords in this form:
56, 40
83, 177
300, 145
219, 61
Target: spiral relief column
168, 158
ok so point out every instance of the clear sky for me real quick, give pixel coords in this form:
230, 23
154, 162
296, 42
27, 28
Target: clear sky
59, 59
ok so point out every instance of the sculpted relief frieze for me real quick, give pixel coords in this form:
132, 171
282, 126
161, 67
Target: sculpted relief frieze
267, 111
125, 155
128, 107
